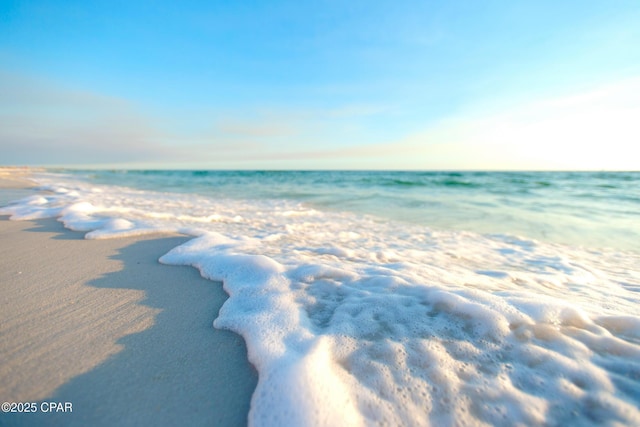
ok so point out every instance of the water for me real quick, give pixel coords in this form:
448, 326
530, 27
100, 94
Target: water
401, 298
600, 209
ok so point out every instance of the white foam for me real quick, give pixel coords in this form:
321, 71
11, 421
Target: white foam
351, 320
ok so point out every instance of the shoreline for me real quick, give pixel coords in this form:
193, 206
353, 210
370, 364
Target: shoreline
103, 325
15, 184
15, 177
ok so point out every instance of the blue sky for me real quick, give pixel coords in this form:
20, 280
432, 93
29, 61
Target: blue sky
321, 85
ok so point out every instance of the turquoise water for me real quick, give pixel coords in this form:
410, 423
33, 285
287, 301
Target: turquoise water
591, 209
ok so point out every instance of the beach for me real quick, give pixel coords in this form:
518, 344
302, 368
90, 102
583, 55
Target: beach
292, 214
101, 325
406, 298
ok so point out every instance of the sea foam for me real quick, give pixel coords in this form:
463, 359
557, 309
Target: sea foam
354, 320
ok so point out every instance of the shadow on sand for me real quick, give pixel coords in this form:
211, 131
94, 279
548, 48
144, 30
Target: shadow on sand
180, 371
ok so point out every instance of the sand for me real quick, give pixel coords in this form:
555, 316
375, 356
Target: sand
102, 325
15, 177
14, 184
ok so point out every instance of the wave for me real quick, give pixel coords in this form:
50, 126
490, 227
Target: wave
351, 319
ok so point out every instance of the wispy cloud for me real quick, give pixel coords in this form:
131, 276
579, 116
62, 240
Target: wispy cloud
594, 129
43, 123
255, 124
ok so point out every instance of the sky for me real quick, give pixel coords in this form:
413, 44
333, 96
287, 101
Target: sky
483, 85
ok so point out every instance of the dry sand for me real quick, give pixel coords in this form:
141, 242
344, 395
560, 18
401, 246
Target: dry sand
102, 325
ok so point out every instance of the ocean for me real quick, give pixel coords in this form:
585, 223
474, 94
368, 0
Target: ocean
400, 298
